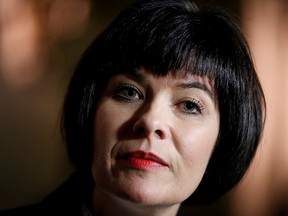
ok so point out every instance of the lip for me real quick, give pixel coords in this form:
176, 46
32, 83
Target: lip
141, 160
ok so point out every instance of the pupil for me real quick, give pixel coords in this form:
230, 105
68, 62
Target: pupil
130, 93
189, 106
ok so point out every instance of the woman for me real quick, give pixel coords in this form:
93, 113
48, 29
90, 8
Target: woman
164, 108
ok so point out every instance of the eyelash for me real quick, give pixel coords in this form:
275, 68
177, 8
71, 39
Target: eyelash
119, 93
198, 103
127, 87
194, 102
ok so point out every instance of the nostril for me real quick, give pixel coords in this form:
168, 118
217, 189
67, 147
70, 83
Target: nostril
160, 133
140, 129
149, 128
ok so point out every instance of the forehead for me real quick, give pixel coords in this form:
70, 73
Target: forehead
182, 77
179, 74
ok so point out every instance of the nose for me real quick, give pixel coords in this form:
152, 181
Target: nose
152, 122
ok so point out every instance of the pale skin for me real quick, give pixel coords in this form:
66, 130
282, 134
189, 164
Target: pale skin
153, 140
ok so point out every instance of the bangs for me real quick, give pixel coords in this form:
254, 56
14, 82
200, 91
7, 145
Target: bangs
166, 43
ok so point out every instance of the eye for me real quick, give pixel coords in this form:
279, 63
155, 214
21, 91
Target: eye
193, 106
128, 92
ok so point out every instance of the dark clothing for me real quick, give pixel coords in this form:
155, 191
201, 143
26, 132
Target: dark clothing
68, 199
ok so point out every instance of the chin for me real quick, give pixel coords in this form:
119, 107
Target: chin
147, 196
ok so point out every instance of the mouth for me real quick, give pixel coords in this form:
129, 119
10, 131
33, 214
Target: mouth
141, 160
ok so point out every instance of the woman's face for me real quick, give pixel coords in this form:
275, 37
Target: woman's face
153, 137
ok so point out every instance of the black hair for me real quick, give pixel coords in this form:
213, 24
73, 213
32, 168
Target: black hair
166, 36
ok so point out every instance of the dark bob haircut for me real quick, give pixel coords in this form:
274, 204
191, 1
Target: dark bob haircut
166, 36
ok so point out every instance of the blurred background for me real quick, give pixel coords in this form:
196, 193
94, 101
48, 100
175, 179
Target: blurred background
40, 44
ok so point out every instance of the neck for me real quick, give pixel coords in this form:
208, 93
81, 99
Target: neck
108, 205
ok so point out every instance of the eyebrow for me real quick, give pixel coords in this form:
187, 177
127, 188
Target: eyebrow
135, 75
197, 85
185, 85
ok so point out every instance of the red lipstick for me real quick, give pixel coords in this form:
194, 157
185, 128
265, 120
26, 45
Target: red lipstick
142, 160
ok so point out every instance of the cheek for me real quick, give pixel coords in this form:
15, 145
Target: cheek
105, 122
198, 146
109, 121
197, 155
104, 138
194, 147
201, 144
109, 118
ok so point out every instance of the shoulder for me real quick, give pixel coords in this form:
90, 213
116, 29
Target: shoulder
67, 199
34, 209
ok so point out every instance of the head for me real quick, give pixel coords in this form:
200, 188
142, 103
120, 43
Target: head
169, 39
